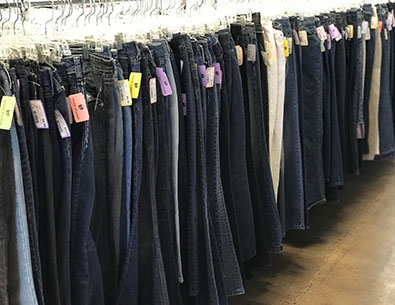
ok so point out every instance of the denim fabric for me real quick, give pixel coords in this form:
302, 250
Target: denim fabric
267, 223
293, 167
369, 57
7, 199
174, 142
107, 135
129, 58
216, 200
386, 126
164, 185
354, 90
87, 282
391, 7
54, 99
152, 278
21, 93
232, 89
190, 227
312, 99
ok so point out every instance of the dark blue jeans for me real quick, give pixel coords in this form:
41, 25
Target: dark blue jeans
87, 282
267, 223
152, 278
294, 212
107, 135
164, 168
129, 58
55, 99
312, 100
386, 126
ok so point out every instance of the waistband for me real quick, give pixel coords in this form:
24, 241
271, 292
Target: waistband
285, 26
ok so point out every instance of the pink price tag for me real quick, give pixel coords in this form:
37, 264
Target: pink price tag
78, 106
164, 82
203, 74
218, 73
334, 32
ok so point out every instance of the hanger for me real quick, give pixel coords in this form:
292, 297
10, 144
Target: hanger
9, 17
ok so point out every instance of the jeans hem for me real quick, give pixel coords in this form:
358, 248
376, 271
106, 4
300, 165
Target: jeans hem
321, 201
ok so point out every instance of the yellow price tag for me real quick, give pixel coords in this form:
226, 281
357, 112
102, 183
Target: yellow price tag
134, 84
7, 112
286, 48
350, 29
290, 42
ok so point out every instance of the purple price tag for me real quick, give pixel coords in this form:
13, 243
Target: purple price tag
164, 82
329, 42
389, 24
217, 73
203, 74
335, 34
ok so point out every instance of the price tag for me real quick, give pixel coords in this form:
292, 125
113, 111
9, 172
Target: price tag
78, 107
328, 41
7, 111
239, 53
134, 84
334, 32
251, 52
374, 22
380, 23
124, 93
39, 115
218, 74
152, 90
203, 75
303, 38
386, 34
388, 22
359, 32
210, 77
321, 33
365, 30
62, 125
290, 44
350, 31
286, 48
164, 82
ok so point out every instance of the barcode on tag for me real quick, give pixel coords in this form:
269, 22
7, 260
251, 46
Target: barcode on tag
62, 125
7, 111
251, 52
124, 93
39, 115
303, 38
210, 77
152, 90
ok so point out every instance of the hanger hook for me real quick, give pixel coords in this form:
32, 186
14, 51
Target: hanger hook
9, 16
82, 14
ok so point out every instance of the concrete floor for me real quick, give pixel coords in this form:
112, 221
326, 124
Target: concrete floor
348, 256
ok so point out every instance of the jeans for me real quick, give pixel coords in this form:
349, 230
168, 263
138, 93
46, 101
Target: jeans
164, 173
293, 167
354, 90
312, 99
369, 60
87, 283
20, 72
129, 58
107, 135
386, 126
152, 278
266, 217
